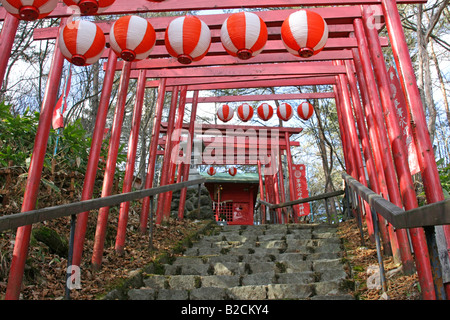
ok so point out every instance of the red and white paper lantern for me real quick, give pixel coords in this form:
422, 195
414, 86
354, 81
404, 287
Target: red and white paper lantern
243, 35
304, 33
305, 110
245, 112
265, 111
188, 39
90, 6
232, 171
82, 42
211, 171
225, 113
132, 38
29, 10
285, 111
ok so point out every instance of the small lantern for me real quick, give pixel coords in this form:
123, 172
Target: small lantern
82, 42
245, 112
225, 113
90, 6
132, 38
285, 111
188, 39
29, 10
305, 110
243, 35
211, 171
304, 33
265, 111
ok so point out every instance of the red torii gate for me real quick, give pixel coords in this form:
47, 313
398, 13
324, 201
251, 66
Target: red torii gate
365, 54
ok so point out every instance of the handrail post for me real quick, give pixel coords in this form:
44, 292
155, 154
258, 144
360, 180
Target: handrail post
73, 222
151, 223
378, 246
353, 206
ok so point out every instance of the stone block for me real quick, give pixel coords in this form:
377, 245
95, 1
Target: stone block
142, 294
289, 291
248, 293
209, 293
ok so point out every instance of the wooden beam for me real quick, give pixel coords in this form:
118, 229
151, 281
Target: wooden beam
244, 82
334, 30
266, 97
264, 57
238, 130
143, 6
305, 68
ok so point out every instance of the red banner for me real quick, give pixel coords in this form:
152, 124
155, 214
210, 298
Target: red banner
301, 189
57, 120
404, 119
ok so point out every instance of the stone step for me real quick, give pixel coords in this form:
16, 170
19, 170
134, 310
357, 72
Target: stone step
254, 262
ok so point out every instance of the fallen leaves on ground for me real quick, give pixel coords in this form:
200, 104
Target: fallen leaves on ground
45, 273
399, 286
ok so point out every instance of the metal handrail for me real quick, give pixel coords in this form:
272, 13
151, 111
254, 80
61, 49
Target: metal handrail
299, 201
434, 214
72, 209
34, 216
426, 217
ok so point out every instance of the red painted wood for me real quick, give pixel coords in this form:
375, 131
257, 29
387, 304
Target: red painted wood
306, 68
7, 36
208, 83
142, 6
334, 30
400, 159
152, 154
23, 234
108, 180
129, 168
186, 166
159, 63
266, 97
94, 156
380, 127
166, 161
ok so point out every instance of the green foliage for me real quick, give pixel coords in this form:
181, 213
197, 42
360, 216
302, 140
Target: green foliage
73, 143
444, 175
16, 136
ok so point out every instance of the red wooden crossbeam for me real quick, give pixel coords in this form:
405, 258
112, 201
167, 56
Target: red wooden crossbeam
266, 97
264, 57
142, 6
218, 139
239, 130
306, 68
334, 30
244, 82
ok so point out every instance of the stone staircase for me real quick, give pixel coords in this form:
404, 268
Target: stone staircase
302, 261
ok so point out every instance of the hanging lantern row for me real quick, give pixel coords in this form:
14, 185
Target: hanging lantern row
243, 35
231, 171
265, 111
